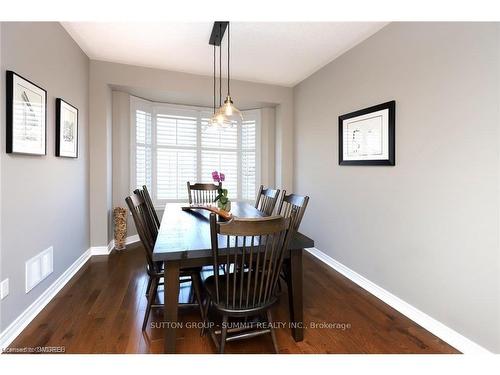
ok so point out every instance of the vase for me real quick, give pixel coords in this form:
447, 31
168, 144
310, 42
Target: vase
120, 221
224, 206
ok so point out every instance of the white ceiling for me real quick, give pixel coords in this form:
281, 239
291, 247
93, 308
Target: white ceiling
282, 53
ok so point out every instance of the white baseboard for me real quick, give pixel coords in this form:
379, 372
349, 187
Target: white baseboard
106, 250
437, 328
100, 250
16, 327
132, 239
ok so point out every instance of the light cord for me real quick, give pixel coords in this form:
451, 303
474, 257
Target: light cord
214, 79
220, 65
228, 62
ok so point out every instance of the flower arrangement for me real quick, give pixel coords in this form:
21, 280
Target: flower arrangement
222, 200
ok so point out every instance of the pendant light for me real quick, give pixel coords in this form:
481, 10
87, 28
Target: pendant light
231, 113
218, 119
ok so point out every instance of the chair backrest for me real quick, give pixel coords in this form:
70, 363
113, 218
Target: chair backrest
288, 202
151, 207
149, 218
251, 252
266, 200
140, 212
202, 193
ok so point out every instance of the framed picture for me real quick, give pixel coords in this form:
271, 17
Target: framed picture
66, 129
26, 116
367, 136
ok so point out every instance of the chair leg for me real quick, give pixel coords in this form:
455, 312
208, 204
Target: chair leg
205, 314
223, 334
151, 298
273, 333
149, 286
196, 283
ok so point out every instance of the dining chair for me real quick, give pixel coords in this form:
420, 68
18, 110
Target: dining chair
149, 217
151, 207
266, 200
150, 225
287, 204
142, 217
199, 193
252, 250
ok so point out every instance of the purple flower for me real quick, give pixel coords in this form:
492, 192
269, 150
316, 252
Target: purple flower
222, 177
215, 176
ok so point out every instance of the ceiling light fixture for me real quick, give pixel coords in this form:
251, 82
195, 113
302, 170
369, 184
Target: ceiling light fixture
227, 115
232, 113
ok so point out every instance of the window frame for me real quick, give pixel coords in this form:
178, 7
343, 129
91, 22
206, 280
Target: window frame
156, 108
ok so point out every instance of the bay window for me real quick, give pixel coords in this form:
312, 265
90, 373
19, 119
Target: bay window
172, 144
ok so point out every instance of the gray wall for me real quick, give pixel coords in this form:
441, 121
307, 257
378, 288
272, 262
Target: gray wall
44, 199
169, 87
427, 230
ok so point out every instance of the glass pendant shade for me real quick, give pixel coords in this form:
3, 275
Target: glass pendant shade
219, 120
231, 113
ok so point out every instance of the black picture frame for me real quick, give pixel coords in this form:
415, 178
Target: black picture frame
11, 147
391, 160
60, 103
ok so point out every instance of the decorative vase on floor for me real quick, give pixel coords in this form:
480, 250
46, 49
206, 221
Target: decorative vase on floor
120, 221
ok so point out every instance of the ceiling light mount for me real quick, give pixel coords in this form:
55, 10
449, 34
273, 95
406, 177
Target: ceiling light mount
218, 31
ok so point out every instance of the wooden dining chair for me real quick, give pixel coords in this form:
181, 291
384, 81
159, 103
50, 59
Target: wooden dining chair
150, 225
287, 205
150, 213
253, 251
151, 207
199, 193
141, 216
266, 200
288, 202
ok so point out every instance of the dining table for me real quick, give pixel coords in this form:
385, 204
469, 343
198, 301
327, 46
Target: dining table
184, 242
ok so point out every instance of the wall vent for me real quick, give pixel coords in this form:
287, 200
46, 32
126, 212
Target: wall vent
39, 267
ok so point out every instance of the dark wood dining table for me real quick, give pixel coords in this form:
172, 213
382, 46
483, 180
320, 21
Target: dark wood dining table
184, 242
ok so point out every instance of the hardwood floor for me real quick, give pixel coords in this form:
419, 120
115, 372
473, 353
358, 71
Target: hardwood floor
101, 311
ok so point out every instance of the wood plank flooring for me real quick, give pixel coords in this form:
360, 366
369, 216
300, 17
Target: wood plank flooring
101, 311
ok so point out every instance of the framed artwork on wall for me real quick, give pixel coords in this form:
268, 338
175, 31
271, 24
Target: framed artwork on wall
66, 129
367, 136
26, 116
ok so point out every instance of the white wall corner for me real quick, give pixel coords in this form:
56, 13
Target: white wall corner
432, 325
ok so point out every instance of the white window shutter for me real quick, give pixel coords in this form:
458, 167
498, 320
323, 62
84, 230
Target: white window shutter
176, 140
219, 152
143, 150
248, 159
